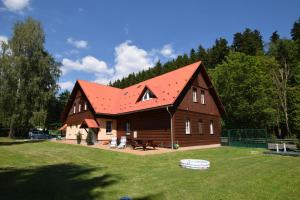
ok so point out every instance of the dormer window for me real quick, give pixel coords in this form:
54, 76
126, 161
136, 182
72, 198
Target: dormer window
147, 95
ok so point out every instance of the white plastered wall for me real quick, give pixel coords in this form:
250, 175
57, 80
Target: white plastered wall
72, 130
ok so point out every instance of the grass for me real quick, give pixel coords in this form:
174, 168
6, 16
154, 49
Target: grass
46, 170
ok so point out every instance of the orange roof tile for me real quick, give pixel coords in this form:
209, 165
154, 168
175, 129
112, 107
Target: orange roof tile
166, 87
89, 123
63, 128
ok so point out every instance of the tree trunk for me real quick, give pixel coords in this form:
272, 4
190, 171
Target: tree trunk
280, 79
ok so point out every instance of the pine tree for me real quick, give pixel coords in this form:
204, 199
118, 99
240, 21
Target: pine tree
202, 55
249, 42
295, 32
275, 37
217, 53
193, 56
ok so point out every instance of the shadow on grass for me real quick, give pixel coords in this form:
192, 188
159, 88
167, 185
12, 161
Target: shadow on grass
14, 142
62, 181
150, 197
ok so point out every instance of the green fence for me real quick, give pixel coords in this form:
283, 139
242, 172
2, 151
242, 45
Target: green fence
245, 137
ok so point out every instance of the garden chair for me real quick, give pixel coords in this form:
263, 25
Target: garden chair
113, 142
122, 144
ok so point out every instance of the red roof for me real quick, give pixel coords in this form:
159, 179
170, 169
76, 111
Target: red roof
166, 87
63, 128
89, 123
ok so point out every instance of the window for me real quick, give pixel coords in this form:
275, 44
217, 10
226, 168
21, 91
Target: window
79, 107
147, 95
211, 127
127, 128
74, 108
200, 127
187, 126
202, 97
108, 127
85, 105
194, 94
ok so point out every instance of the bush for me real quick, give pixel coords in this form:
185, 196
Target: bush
79, 137
176, 146
90, 138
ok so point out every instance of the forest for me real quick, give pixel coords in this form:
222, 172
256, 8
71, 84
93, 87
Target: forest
258, 80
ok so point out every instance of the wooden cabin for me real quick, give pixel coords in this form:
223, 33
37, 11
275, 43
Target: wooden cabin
179, 107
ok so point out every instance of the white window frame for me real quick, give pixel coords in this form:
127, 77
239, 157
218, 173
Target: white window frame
85, 105
146, 96
79, 107
74, 109
195, 95
202, 97
187, 126
211, 127
111, 124
127, 128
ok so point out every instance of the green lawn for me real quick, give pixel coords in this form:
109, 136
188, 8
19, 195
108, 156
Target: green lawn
46, 170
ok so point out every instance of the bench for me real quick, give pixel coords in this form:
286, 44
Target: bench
272, 146
143, 143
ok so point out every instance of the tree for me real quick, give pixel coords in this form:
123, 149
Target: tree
217, 53
275, 37
8, 86
55, 108
295, 32
245, 87
193, 56
36, 73
283, 74
249, 42
202, 55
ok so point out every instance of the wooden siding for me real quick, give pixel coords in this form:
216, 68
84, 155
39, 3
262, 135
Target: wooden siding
155, 124
195, 138
187, 103
152, 125
78, 117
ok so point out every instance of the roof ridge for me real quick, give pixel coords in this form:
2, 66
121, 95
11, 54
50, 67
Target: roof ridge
141, 81
100, 84
165, 74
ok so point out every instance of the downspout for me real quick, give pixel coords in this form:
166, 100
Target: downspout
172, 138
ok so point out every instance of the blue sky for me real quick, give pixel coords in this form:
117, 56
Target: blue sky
105, 40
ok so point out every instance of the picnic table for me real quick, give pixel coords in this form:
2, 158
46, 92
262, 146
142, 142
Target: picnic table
143, 143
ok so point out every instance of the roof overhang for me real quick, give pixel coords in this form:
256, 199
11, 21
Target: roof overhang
89, 123
63, 128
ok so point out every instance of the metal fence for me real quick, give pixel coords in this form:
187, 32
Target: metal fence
245, 137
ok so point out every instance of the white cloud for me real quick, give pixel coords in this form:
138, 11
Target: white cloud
128, 59
68, 85
16, 5
3, 39
88, 64
80, 44
168, 51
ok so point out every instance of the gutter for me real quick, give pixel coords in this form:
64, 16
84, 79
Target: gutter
171, 122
